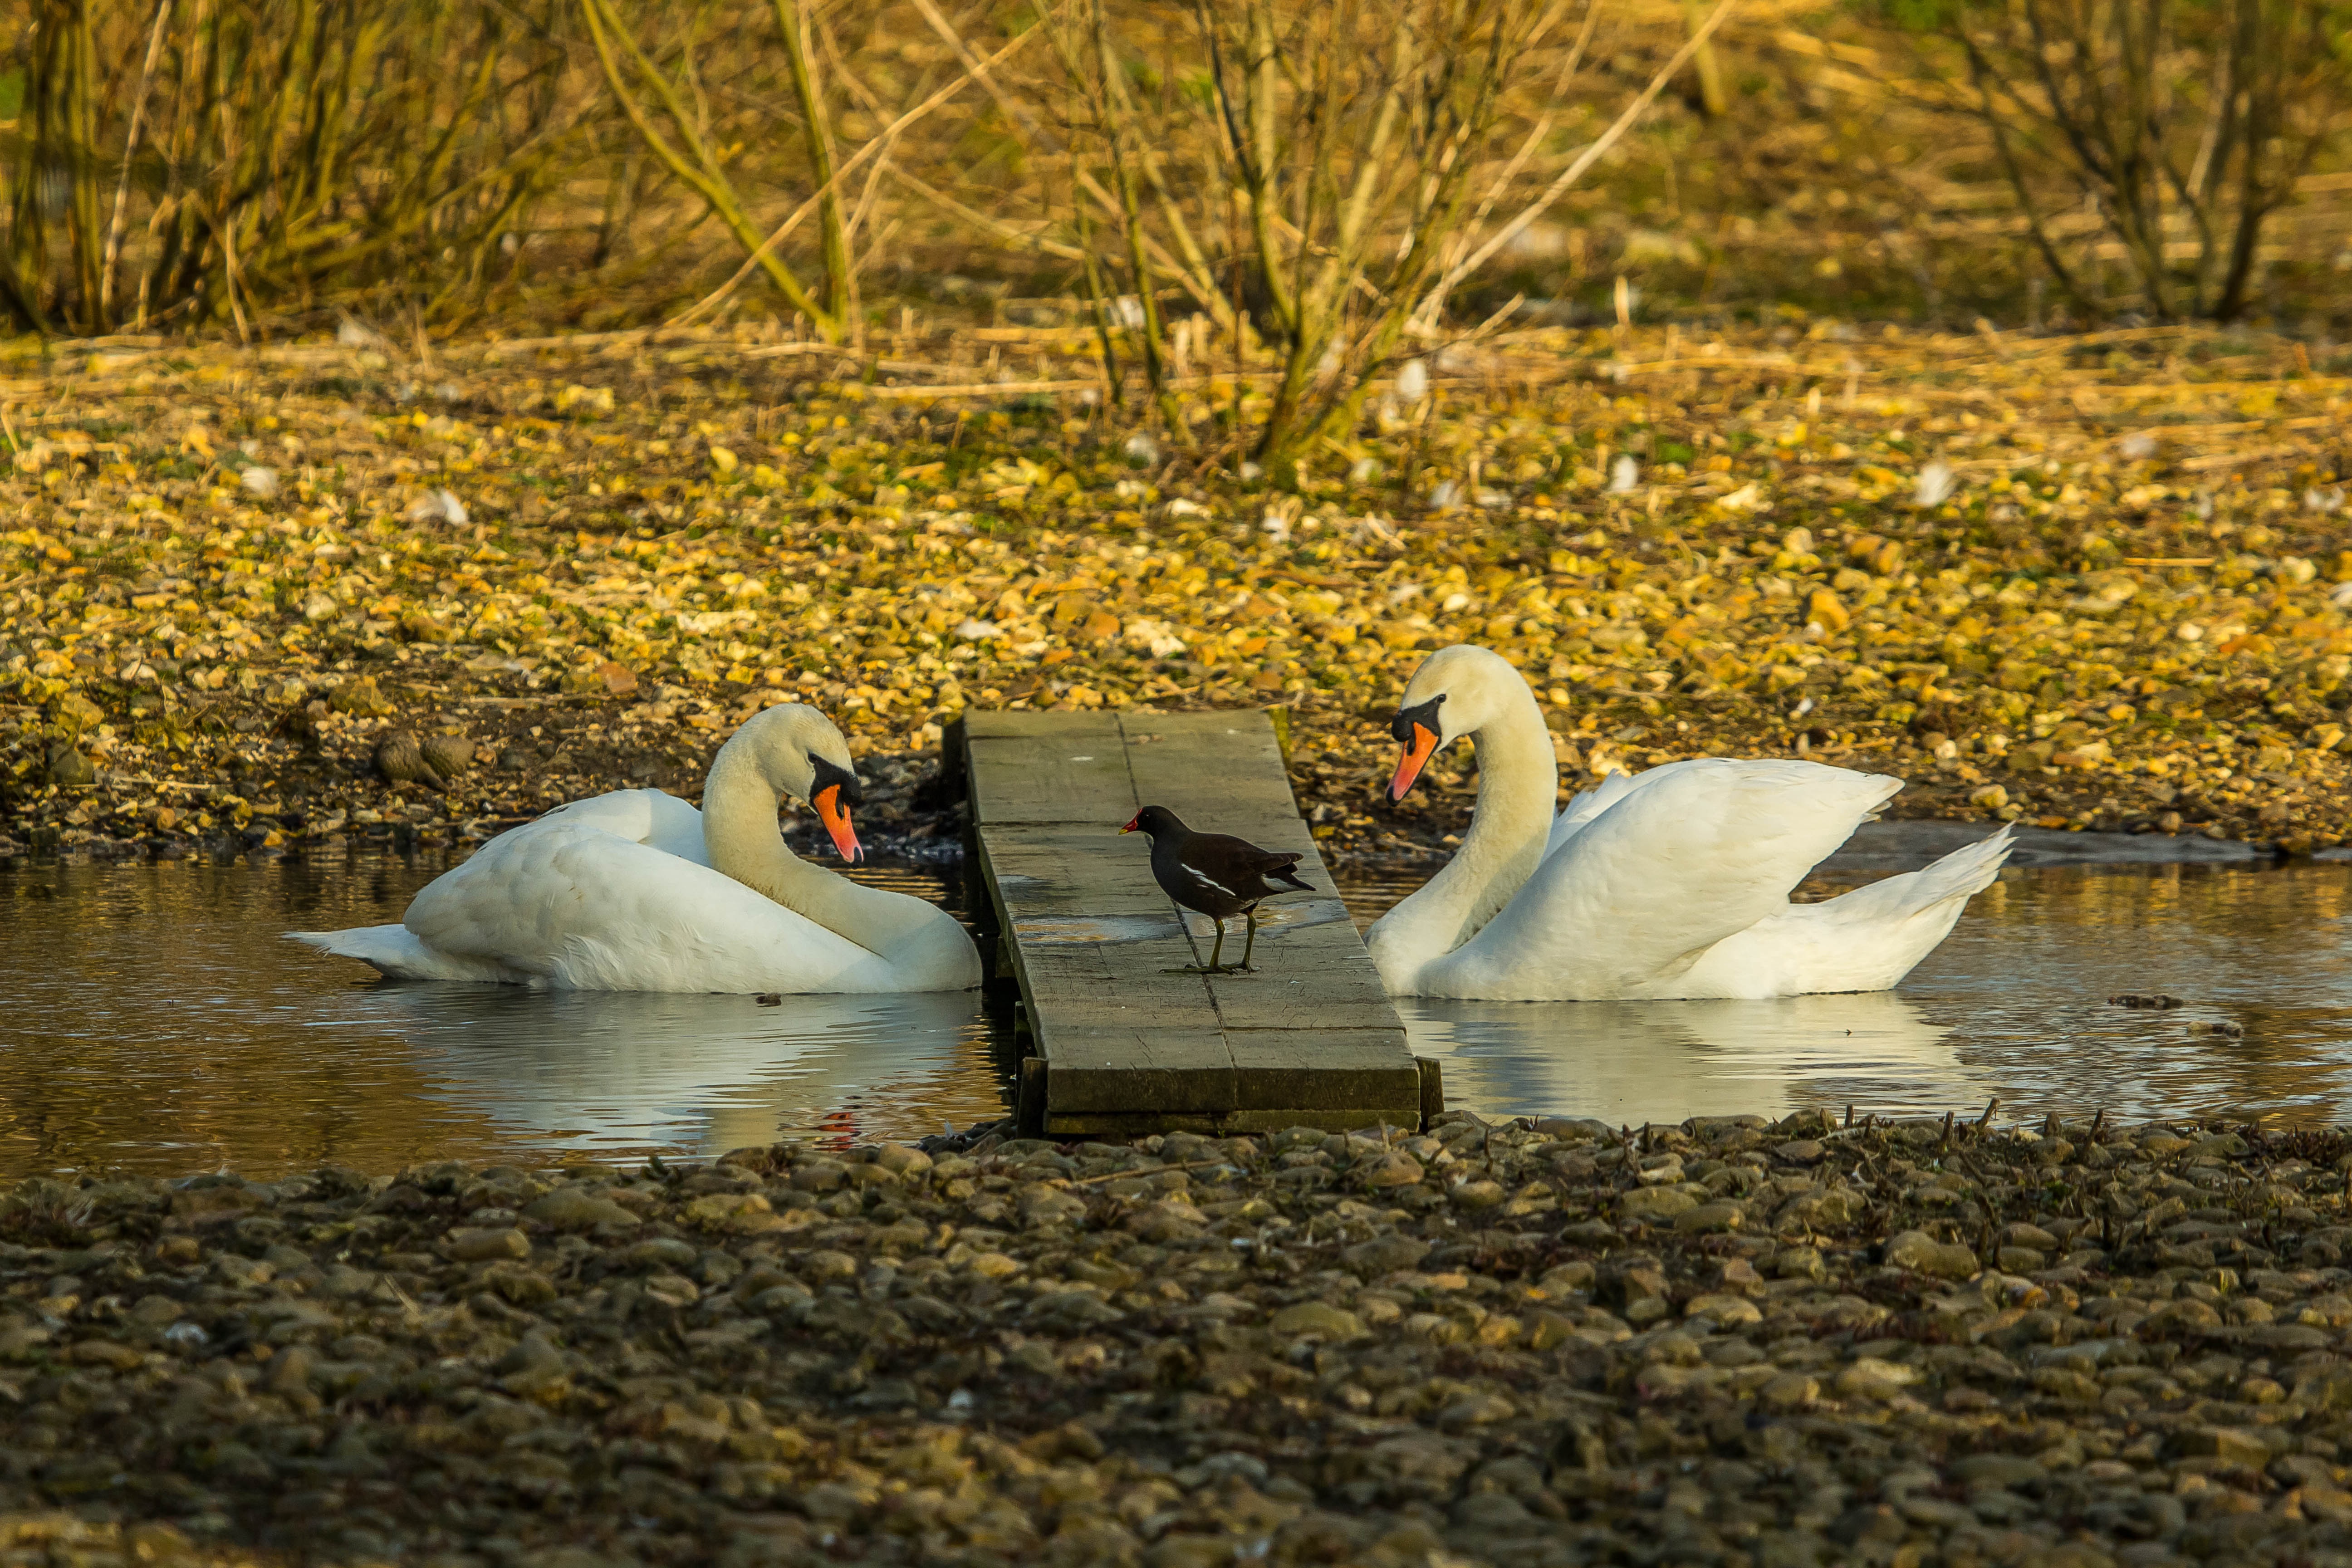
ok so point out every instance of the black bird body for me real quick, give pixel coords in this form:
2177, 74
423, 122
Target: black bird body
1215, 873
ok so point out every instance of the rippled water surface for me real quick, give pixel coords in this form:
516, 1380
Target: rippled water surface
152, 1020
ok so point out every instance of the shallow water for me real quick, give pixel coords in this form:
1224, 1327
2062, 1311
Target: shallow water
2013, 1004
154, 1021
151, 1020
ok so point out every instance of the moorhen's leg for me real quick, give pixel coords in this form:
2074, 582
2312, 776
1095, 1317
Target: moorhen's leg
1214, 955
1250, 945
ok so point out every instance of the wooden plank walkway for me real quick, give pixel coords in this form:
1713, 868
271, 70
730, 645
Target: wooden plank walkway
1121, 1047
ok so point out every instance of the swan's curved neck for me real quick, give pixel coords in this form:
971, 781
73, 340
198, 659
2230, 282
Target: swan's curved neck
1518, 781
738, 830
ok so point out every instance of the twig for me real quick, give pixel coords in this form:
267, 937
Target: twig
1584, 159
129, 150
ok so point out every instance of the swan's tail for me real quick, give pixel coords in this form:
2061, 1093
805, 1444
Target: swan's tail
395, 950
1951, 881
1966, 870
1867, 939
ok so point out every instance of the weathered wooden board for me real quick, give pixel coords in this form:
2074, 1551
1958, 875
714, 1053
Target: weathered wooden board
1131, 1045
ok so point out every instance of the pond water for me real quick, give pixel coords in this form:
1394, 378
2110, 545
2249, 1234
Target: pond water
151, 1020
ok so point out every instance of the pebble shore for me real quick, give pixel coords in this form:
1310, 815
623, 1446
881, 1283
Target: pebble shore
1520, 1344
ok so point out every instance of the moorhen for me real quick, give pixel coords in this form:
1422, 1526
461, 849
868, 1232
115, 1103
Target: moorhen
1215, 873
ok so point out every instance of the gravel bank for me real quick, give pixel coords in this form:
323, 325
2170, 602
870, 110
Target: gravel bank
1728, 1341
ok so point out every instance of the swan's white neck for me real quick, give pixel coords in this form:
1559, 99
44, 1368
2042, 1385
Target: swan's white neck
1518, 782
738, 830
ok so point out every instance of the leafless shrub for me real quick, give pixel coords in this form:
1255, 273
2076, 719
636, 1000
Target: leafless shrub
2183, 124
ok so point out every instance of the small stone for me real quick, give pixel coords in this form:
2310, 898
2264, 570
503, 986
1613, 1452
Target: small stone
673, 1289
1317, 1320
519, 1284
483, 1246
571, 1208
1480, 1195
1998, 1470
1384, 1255
104, 1353
1870, 1378
1789, 1391
729, 1211
1916, 1249
359, 697
68, 767
1712, 1218
2232, 1444
1799, 1263
1394, 1169
819, 1175
1650, 1205
1544, 1329
1739, 1275
1729, 1312
668, 1252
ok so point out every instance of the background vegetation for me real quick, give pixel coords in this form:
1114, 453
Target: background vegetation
1338, 178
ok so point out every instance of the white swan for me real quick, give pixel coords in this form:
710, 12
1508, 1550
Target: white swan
636, 890
1671, 883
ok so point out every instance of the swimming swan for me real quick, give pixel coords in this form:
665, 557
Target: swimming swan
1670, 883
636, 890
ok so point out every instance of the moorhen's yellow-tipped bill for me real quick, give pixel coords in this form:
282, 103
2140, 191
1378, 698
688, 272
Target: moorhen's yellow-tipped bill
835, 791
1418, 730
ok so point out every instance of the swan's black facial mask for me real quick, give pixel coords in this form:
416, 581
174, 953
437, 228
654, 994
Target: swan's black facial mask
833, 794
1418, 730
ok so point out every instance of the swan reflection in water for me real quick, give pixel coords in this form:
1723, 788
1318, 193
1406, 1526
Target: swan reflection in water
696, 1075
1630, 1062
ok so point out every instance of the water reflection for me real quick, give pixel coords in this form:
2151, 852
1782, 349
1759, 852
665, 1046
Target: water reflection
601, 1071
2014, 1003
1630, 1062
156, 1021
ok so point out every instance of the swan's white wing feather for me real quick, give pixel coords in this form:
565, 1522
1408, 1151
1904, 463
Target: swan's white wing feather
1867, 940
650, 816
565, 903
1683, 857
1580, 810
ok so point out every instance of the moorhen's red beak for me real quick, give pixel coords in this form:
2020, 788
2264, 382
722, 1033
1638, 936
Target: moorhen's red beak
1417, 753
1133, 827
835, 817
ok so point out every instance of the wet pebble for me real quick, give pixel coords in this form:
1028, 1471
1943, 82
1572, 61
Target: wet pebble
1723, 1342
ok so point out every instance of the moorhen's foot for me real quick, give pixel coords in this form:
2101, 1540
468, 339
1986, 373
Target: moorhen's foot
1210, 969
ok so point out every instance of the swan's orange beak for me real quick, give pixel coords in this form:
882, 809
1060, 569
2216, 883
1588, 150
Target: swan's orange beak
1416, 756
835, 817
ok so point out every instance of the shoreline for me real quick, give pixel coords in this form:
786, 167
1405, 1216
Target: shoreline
231, 578
1926, 1340
1892, 844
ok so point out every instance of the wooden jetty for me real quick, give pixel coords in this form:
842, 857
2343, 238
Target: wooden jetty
1119, 1047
